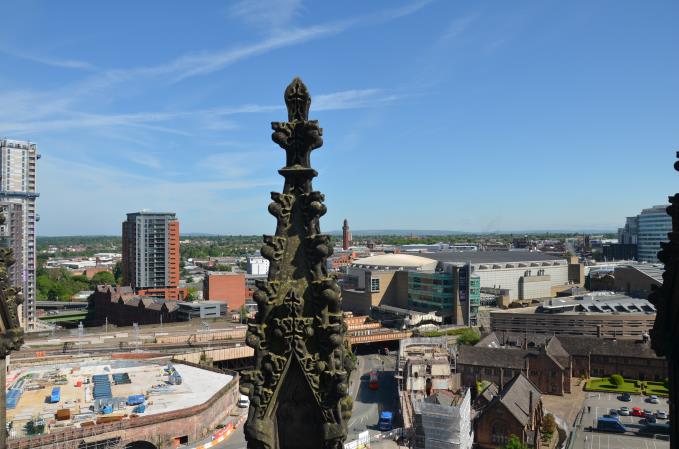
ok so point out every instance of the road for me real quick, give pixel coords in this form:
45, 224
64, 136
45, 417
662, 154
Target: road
367, 403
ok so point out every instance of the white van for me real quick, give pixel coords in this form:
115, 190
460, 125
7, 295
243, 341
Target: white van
243, 402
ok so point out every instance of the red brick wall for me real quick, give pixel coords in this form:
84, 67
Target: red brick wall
173, 262
175, 293
228, 288
499, 417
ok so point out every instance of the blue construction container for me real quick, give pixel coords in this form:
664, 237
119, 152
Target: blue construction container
135, 399
56, 395
102, 386
13, 396
107, 409
139, 409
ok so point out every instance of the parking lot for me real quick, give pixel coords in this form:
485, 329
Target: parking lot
599, 404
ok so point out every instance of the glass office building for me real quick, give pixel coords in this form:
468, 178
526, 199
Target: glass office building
430, 291
653, 225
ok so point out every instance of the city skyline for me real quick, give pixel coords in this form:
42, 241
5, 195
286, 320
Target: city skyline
434, 113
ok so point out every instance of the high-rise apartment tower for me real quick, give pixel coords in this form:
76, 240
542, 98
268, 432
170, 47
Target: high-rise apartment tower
151, 250
17, 200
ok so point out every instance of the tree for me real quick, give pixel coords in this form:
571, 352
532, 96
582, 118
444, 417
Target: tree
617, 380
468, 337
243, 314
514, 443
549, 424
102, 278
192, 294
118, 271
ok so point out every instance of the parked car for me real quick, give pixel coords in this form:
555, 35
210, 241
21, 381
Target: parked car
653, 399
660, 414
648, 412
636, 411
624, 411
610, 425
650, 419
613, 413
626, 397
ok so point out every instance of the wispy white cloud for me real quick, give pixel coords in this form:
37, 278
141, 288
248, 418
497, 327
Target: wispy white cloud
194, 201
352, 99
230, 165
457, 26
53, 62
210, 119
74, 120
203, 63
266, 14
145, 159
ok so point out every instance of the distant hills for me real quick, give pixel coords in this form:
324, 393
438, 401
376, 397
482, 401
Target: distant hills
421, 233
392, 232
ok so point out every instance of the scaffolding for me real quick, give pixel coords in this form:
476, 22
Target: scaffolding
441, 426
443, 421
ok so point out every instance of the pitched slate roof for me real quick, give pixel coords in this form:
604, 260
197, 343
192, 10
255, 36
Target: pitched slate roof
515, 396
499, 357
556, 351
584, 345
490, 392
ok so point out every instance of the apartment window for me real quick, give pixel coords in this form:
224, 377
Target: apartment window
374, 284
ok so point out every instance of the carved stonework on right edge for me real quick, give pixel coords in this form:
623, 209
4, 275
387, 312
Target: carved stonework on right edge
11, 333
665, 332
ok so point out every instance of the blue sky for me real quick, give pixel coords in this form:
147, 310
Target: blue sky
456, 115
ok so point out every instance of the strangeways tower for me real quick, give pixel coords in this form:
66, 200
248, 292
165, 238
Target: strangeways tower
299, 388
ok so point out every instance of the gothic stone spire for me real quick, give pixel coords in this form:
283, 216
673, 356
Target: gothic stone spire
298, 388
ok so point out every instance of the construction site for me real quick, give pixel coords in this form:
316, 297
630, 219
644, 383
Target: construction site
436, 409
84, 400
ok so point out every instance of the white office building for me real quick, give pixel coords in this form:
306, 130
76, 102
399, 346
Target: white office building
18, 160
258, 266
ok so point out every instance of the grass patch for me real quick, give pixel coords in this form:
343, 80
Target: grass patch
455, 331
657, 388
604, 384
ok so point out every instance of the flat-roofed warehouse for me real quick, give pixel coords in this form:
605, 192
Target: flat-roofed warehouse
613, 315
450, 282
525, 274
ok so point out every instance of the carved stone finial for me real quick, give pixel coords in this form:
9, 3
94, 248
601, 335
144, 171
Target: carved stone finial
298, 388
297, 100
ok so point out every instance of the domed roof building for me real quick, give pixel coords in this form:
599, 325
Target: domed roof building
391, 262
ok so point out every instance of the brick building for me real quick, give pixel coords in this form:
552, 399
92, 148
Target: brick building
547, 367
122, 307
151, 254
515, 410
550, 361
632, 359
225, 287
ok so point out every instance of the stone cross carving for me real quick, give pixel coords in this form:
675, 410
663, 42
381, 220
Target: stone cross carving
665, 332
299, 387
